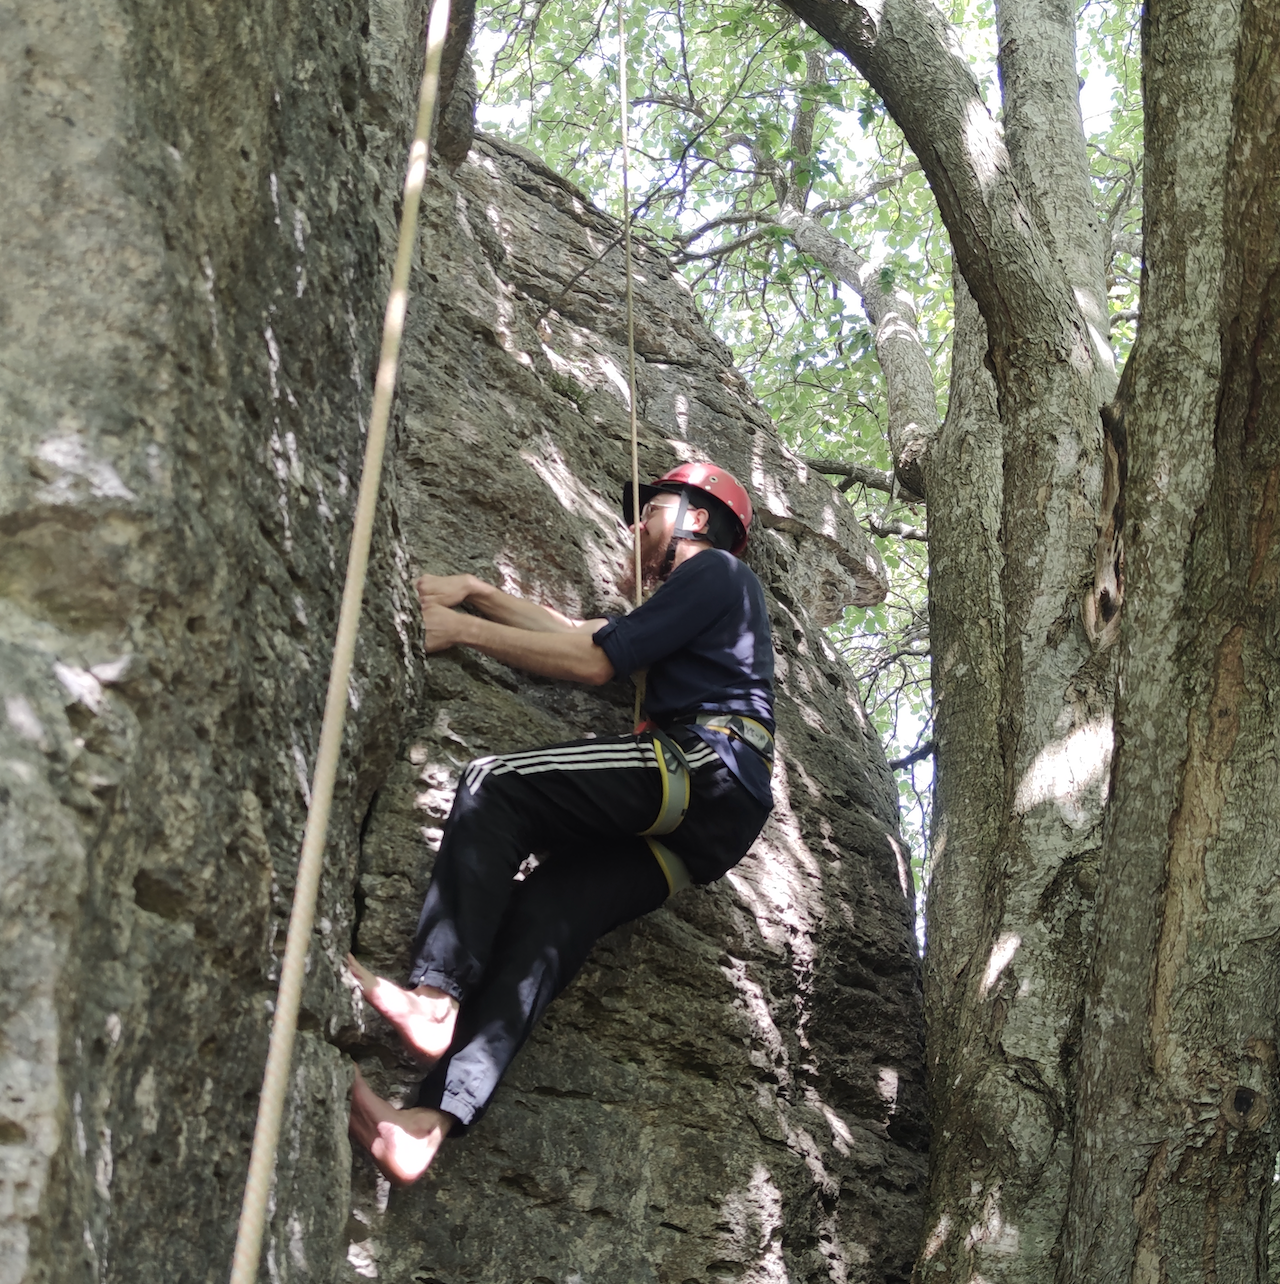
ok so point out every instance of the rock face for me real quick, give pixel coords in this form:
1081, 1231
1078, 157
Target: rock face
191, 304
194, 231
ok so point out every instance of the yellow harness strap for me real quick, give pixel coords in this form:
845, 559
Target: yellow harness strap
673, 769
677, 784
673, 868
739, 727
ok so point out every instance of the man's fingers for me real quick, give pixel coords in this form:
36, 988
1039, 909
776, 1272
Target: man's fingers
444, 590
438, 627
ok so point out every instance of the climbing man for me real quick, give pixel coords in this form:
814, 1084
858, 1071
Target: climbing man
617, 823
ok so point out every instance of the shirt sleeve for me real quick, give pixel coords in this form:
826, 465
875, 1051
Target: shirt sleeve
698, 594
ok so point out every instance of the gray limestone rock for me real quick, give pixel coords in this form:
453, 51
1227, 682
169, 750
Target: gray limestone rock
195, 230
744, 1050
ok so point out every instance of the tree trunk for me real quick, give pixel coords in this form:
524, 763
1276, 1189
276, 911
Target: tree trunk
1024, 715
1169, 1141
966, 630
1045, 134
1177, 1142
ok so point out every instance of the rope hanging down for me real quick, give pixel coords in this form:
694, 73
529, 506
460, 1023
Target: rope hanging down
266, 1135
625, 107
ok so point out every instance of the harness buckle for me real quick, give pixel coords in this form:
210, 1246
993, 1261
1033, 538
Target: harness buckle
739, 727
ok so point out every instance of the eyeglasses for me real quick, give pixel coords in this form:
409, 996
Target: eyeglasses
654, 506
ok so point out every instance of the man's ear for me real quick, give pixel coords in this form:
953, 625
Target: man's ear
696, 519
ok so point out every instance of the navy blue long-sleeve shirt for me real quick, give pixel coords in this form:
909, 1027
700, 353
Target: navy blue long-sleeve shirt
704, 638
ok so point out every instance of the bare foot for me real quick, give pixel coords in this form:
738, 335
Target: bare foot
424, 1018
402, 1142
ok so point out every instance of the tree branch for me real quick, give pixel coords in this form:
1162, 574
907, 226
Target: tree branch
818, 211
910, 55
800, 180
913, 408
670, 100
900, 529
865, 193
915, 756
725, 220
908, 374
1127, 243
721, 251
858, 474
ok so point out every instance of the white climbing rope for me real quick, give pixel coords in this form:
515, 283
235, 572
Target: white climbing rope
625, 107
266, 1135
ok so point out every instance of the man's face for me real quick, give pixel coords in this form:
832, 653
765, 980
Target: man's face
657, 523
657, 528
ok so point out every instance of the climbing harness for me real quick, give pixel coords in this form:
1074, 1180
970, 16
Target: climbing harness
266, 1135
739, 727
673, 766
677, 782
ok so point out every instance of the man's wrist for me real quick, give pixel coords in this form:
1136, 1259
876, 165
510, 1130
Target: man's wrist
477, 591
464, 629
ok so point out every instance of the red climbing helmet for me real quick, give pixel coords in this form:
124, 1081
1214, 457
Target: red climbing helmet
717, 484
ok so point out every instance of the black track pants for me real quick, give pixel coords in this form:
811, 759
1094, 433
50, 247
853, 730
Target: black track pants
506, 948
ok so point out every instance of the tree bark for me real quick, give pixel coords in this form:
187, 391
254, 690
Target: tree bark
1024, 697
1160, 1140
1177, 1140
966, 629
1045, 135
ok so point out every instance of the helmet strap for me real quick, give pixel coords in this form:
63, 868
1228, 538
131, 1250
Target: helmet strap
678, 532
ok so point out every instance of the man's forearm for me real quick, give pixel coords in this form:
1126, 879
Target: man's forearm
505, 608
569, 654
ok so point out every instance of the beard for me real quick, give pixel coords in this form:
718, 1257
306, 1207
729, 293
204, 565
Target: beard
653, 568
